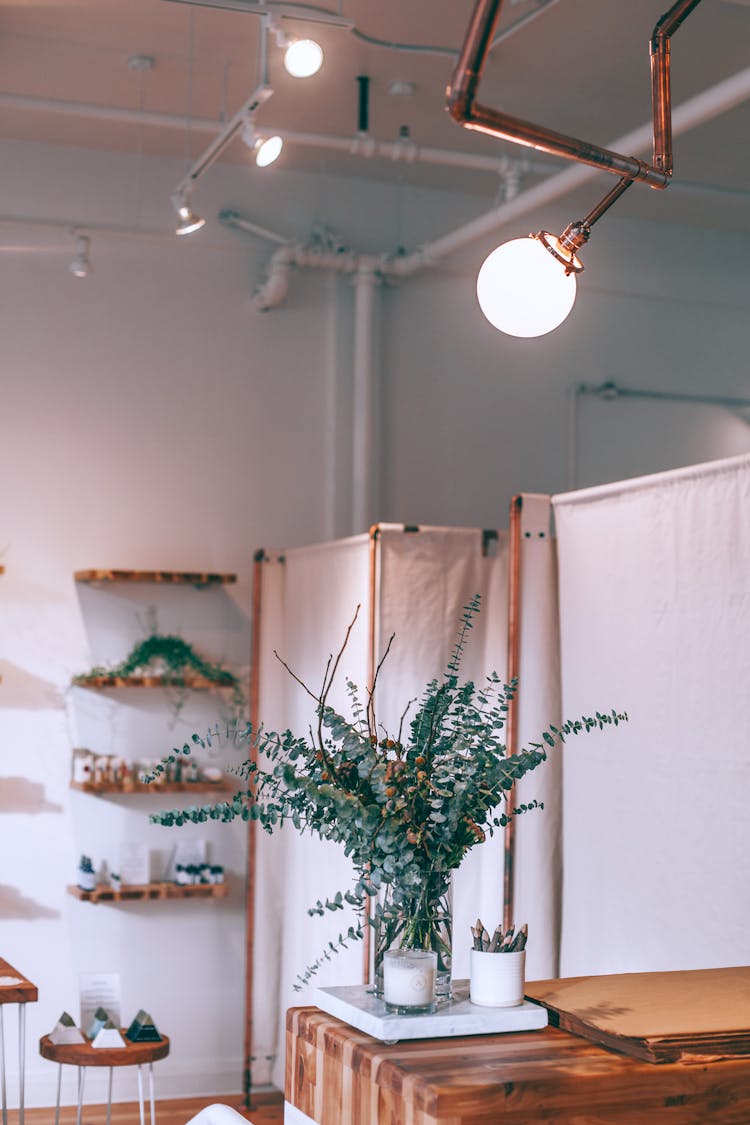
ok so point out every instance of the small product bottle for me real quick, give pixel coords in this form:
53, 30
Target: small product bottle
86, 874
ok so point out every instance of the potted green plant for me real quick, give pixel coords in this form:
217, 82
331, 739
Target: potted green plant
406, 808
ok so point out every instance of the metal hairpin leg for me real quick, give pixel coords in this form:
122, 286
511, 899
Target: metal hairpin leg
109, 1097
151, 1092
21, 1059
81, 1083
59, 1088
2, 1062
140, 1093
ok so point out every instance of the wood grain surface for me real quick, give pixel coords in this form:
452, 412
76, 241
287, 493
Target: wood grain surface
19, 990
166, 577
659, 1017
135, 788
188, 681
340, 1076
85, 1054
134, 892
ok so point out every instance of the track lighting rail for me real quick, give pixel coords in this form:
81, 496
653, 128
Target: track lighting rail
213, 151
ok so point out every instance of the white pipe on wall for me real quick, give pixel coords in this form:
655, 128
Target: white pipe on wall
364, 410
274, 289
362, 145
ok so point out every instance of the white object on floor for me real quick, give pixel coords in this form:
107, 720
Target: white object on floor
218, 1114
294, 1116
358, 1006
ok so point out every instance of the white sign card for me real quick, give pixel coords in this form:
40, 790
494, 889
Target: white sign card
135, 868
99, 990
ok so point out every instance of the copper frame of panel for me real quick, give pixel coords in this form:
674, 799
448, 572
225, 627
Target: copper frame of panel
463, 107
511, 727
367, 956
254, 702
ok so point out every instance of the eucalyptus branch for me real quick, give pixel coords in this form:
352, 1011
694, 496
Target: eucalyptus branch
371, 724
406, 813
295, 677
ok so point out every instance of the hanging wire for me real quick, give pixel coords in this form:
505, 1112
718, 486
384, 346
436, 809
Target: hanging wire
139, 154
189, 98
224, 90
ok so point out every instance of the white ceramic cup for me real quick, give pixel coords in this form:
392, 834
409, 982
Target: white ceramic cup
497, 979
409, 979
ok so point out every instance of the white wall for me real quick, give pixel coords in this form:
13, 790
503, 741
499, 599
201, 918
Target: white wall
151, 418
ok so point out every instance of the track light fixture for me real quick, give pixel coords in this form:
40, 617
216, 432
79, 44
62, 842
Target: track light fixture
303, 58
81, 265
188, 220
266, 149
527, 287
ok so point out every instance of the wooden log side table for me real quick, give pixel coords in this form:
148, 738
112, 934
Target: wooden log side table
336, 1075
83, 1055
14, 989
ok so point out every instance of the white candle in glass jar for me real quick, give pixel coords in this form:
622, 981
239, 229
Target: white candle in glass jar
409, 977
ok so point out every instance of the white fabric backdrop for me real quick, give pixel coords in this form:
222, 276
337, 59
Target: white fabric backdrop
537, 858
424, 579
312, 598
655, 619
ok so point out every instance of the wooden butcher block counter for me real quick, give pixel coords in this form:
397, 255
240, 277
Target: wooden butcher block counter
336, 1075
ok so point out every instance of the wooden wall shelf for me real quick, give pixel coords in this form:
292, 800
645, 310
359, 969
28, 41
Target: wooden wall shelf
200, 579
105, 893
190, 683
108, 788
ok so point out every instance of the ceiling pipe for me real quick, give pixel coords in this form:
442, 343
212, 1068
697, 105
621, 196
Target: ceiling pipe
393, 150
695, 111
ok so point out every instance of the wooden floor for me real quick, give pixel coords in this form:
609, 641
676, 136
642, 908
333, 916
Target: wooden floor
267, 1109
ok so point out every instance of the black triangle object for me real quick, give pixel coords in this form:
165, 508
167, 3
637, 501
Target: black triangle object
142, 1029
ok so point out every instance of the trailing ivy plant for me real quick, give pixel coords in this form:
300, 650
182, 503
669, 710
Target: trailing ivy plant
176, 663
405, 808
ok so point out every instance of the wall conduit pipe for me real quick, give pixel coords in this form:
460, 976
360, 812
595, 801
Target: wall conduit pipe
273, 291
364, 408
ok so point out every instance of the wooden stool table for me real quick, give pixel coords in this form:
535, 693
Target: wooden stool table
14, 989
336, 1075
84, 1055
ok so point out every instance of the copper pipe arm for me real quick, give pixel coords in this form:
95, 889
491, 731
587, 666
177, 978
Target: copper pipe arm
463, 108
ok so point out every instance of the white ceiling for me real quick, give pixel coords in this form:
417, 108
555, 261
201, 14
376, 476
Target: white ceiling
579, 66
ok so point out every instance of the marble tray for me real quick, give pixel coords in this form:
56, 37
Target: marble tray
359, 1007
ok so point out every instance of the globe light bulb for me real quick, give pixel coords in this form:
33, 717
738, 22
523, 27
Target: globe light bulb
523, 288
303, 58
267, 150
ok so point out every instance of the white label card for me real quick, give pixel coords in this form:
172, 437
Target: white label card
99, 990
135, 869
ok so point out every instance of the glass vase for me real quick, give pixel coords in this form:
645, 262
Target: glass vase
417, 917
